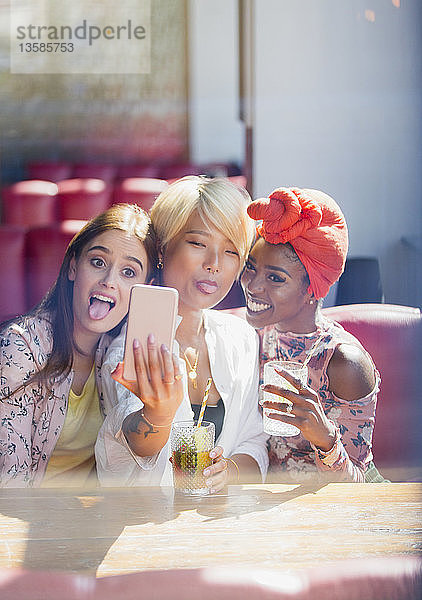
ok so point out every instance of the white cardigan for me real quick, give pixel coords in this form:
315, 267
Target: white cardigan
234, 359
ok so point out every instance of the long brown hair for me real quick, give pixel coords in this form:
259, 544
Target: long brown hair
57, 305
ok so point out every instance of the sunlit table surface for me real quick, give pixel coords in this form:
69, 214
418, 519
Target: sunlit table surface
122, 530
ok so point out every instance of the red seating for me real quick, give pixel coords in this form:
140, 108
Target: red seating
49, 171
45, 249
82, 198
393, 336
216, 169
105, 171
239, 180
374, 578
140, 170
28, 203
142, 191
12, 271
178, 170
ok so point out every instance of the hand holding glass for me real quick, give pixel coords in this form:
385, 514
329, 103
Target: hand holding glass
190, 455
273, 426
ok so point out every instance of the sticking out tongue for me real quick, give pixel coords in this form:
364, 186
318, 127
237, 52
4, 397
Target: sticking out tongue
98, 309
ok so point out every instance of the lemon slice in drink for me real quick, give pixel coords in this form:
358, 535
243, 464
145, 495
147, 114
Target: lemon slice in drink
200, 435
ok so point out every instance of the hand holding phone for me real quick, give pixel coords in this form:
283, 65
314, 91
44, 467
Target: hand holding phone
152, 309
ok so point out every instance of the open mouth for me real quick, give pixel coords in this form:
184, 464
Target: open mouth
207, 287
100, 306
257, 307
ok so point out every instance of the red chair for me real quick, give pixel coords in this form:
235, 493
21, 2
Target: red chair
105, 171
371, 578
12, 271
393, 336
178, 170
45, 249
142, 191
49, 171
82, 198
28, 203
216, 169
140, 170
238, 180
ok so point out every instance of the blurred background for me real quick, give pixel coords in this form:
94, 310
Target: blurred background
308, 93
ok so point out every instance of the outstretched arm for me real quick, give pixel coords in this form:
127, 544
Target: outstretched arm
147, 430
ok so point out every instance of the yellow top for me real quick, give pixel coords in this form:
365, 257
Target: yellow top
73, 461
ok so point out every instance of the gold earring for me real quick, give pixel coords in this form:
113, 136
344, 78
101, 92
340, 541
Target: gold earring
160, 264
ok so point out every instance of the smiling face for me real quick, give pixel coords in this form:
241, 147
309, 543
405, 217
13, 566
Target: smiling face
275, 285
201, 263
108, 267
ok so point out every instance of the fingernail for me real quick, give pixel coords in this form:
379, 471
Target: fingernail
208, 482
151, 338
206, 472
136, 343
164, 348
213, 454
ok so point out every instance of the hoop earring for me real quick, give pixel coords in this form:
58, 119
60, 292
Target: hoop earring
160, 264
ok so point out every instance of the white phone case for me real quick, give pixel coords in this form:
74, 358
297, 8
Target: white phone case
152, 309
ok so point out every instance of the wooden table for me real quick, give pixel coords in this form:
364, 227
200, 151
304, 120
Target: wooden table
112, 531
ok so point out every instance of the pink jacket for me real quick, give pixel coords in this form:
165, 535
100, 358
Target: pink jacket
32, 415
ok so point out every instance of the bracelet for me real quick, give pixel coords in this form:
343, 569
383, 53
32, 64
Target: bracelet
329, 457
237, 467
152, 424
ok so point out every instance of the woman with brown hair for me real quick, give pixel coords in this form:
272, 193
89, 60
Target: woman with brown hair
51, 394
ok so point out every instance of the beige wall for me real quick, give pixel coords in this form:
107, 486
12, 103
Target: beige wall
339, 107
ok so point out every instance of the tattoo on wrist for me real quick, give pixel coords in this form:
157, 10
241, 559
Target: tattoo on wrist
132, 425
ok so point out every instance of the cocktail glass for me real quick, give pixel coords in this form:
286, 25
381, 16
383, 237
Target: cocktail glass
190, 448
272, 426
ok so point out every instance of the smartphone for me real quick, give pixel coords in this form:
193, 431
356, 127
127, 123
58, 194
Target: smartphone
152, 309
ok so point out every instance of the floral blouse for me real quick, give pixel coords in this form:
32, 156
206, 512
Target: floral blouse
31, 413
293, 458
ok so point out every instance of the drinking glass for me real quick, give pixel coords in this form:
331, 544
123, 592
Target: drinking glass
190, 448
272, 426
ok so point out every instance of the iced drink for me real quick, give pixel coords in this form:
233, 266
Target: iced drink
190, 448
273, 426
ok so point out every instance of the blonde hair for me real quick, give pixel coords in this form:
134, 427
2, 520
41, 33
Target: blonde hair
217, 201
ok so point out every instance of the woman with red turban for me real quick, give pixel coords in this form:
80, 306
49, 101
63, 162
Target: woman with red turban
300, 253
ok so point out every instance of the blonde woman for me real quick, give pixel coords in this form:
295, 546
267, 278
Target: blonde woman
204, 237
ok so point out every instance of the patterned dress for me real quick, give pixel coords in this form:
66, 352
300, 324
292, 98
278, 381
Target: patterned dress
32, 413
294, 458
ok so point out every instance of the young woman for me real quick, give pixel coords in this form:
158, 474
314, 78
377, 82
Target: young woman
300, 253
51, 395
205, 235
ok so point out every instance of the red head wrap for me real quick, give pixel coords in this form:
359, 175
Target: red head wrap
313, 224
